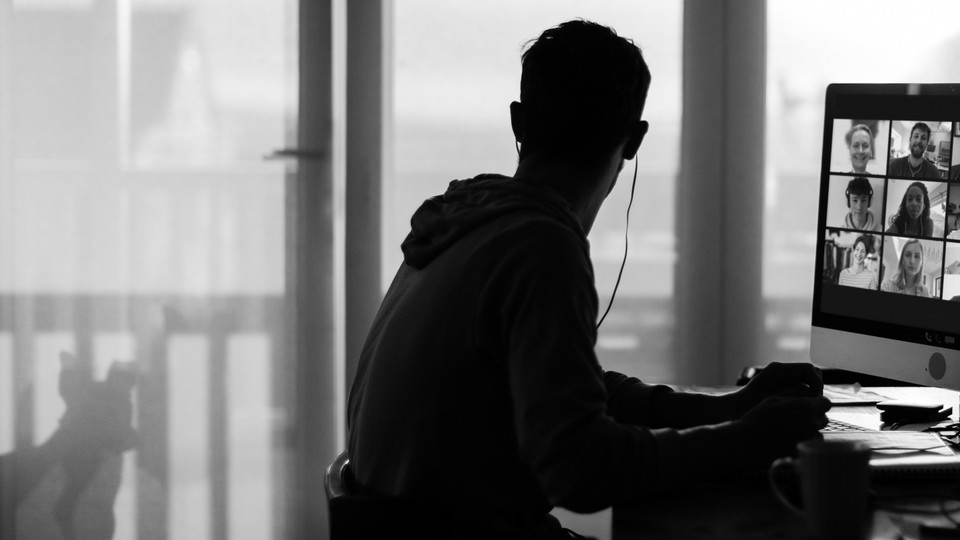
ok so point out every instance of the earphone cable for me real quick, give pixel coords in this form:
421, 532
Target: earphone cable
626, 244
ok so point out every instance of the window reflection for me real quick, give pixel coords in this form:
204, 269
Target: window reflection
141, 225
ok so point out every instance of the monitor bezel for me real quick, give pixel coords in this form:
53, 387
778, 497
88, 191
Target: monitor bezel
875, 347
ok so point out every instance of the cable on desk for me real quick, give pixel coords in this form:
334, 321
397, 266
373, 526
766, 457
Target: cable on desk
944, 432
916, 509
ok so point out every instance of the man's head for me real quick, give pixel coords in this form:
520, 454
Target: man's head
859, 195
919, 136
582, 92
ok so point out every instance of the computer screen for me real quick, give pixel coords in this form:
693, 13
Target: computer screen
887, 286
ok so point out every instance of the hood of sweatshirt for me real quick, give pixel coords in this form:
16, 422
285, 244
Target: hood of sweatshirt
469, 204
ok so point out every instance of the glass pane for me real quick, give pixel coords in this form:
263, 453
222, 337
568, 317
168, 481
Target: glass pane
456, 68
799, 69
143, 385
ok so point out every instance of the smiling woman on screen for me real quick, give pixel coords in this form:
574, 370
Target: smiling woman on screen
860, 143
857, 274
913, 215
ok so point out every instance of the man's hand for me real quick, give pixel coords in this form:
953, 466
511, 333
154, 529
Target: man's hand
777, 379
774, 427
767, 431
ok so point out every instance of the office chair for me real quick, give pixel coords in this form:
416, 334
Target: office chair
356, 513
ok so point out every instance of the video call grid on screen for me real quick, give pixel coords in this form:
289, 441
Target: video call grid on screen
889, 243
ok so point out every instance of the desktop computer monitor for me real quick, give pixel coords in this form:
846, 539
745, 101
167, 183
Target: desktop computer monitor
886, 297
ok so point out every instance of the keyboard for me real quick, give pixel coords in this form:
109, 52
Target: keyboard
839, 426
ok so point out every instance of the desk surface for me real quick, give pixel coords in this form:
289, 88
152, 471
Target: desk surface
747, 510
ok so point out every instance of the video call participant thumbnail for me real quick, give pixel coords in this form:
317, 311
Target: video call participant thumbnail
859, 195
953, 222
954, 174
914, 165
912, 216
951, 272
952, 226
907, 278
858, 274
856, 146
860, 143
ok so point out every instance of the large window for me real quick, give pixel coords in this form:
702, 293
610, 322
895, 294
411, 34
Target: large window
456, 68
144, 385
810, 45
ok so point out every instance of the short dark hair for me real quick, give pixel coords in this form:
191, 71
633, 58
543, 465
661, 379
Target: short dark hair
582, 88
921, 126
859, 186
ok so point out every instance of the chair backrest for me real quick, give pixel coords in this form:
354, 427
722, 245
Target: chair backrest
355, 513
334, 480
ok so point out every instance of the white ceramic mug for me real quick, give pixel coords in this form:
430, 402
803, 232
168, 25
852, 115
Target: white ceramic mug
834, 487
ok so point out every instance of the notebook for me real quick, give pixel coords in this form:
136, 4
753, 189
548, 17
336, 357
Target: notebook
896, 455
905, 455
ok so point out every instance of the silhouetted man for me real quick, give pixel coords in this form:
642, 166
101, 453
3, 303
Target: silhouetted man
478, 388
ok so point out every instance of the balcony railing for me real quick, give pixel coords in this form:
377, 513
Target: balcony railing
209, 407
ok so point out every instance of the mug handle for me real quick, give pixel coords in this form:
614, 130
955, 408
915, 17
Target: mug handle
775, 472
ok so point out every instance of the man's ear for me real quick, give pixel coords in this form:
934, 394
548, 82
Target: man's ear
517, 121
634, 139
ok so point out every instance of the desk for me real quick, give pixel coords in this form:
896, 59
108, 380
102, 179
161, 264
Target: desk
747, 510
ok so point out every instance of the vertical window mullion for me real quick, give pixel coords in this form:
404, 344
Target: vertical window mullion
720, 190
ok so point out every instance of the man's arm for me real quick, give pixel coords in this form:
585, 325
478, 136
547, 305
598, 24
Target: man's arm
767, 431
546, 308
567, 433
717, 434
634, 402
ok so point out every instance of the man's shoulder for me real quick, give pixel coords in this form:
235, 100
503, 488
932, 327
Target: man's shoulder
896, 166
533, 243
531, 227
541, 237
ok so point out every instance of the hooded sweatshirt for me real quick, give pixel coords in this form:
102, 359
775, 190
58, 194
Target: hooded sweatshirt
478, 385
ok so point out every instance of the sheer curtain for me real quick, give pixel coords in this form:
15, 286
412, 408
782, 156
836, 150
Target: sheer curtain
145, 387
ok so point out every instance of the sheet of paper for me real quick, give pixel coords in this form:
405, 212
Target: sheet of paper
851, 394
896, 443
